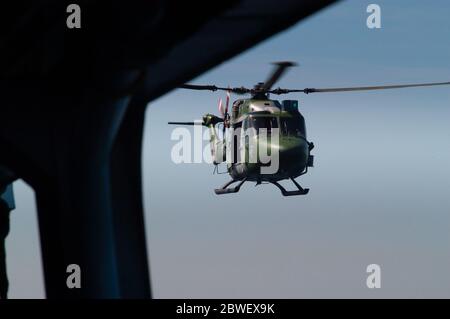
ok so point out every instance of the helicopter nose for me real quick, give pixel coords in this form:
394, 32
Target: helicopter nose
293, 152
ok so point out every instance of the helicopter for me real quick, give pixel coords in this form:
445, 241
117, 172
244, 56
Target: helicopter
266, 116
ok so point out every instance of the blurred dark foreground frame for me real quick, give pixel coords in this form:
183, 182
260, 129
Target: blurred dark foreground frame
72, 116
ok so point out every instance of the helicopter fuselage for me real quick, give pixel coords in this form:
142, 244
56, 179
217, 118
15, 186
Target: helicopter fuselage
279, 127
267, 117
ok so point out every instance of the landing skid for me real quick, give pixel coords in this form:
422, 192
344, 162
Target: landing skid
229, 190
300, 191
225, 190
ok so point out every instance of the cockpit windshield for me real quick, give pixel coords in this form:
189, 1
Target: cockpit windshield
265, 122
293, 126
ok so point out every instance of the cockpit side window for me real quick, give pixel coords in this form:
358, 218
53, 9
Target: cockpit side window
293, 126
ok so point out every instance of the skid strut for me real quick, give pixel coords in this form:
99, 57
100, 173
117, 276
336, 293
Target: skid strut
225, 190
300, 191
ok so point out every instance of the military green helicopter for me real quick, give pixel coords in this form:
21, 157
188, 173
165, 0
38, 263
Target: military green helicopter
263, 114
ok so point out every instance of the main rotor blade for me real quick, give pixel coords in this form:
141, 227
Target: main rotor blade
364, 88
199, 87
276, 74
237, 90
185, 123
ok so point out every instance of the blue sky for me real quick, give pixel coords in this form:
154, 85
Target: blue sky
379, 188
